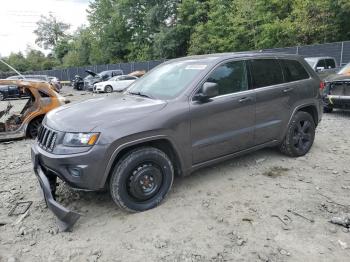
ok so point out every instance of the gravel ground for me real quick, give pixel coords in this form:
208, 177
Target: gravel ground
234, 211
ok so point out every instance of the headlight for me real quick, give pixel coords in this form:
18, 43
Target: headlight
80, 139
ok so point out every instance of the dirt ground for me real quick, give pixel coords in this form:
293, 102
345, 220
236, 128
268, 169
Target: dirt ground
234, 211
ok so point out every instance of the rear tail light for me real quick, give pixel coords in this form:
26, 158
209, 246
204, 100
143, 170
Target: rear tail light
322, 85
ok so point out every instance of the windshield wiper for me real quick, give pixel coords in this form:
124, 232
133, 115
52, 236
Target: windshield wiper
140, 94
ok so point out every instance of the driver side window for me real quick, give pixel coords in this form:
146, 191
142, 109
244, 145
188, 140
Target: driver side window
230, 77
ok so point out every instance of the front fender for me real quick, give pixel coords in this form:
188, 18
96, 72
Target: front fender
137, 141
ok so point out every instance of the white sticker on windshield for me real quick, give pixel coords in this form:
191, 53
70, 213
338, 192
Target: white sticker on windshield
196, 67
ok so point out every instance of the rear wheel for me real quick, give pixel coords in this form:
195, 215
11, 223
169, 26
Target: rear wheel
33, 127
300, 135
108, 89
141, 179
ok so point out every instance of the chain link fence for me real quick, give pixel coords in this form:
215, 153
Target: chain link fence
339, 50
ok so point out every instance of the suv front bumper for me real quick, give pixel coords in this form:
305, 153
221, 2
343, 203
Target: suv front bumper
66, 218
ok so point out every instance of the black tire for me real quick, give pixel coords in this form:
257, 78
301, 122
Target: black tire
327, 109
33, 127
141, 179
2, 97
300, 135
108, 89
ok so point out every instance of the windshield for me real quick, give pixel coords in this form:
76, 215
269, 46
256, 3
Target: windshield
114, 78
169, 80
311, 61
103, 74
345, 70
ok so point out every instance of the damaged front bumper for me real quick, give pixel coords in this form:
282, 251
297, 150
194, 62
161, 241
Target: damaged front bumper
337, 101
66, 218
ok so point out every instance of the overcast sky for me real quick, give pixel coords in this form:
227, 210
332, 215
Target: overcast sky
18, 20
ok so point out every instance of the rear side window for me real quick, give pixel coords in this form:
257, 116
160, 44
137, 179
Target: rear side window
230, 77
266, 72
330, 63
321, 63
116, 73
294, 71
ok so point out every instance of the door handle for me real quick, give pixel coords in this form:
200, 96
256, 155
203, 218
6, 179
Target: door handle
287, 90
245, 99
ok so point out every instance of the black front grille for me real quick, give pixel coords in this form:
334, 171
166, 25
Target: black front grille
46, 138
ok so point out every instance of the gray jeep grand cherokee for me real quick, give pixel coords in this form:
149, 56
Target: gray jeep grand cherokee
183, 115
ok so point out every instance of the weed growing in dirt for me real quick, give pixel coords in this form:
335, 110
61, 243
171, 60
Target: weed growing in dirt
275, 171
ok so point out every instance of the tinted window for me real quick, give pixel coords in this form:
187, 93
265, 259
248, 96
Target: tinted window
129, 78
321, 63
231, 77
330, 63
266, 72
117, 73
294, 71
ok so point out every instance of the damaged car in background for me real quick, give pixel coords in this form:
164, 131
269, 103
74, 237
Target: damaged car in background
102, 76
22, 117
53, 81
336, 94
116, 83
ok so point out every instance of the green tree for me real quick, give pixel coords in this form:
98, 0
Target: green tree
50, 31
18, 61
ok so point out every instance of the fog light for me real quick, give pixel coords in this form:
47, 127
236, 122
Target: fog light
75, 172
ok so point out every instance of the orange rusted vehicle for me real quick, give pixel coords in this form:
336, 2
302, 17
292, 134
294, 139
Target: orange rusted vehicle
18, 121
138, 73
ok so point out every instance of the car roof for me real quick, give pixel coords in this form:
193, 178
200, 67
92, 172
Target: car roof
223, 56
319, 57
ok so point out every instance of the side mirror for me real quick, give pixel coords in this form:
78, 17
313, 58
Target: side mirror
319, 69
209, 90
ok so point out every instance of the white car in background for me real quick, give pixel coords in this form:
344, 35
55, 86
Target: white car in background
117, 83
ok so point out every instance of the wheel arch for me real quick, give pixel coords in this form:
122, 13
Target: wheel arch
308, 108
312, 110
162, 143
41, 116
104, 88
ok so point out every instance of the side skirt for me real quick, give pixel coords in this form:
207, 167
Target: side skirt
236, 154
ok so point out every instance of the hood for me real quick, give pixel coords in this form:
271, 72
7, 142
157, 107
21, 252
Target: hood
91, 73
95, 113
333, 78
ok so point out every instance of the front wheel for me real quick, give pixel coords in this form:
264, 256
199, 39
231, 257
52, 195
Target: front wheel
108, 89
300, 135
141, 179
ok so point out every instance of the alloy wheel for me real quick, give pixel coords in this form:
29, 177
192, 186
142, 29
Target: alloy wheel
302, 137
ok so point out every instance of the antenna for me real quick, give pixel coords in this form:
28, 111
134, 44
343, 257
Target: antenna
12, 68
